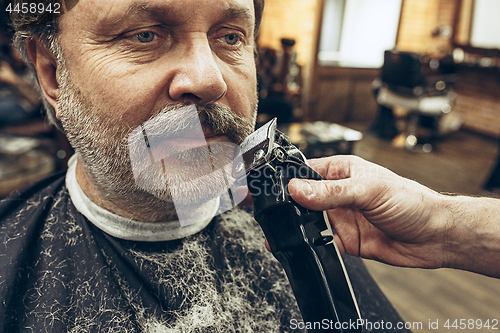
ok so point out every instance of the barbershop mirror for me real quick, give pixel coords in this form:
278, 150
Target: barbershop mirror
478, 24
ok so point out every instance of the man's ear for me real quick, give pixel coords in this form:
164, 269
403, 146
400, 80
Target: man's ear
46, 70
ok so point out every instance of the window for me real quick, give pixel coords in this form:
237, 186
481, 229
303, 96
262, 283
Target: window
355, 33
485, 31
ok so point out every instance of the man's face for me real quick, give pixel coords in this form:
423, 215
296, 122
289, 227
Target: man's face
129, 62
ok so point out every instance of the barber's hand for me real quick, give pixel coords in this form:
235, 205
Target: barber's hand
376, 213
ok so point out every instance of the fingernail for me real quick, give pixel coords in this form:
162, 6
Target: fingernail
304, 186
239, 194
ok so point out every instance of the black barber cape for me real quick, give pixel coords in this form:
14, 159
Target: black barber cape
60, 273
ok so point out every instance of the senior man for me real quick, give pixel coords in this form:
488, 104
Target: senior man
148, 93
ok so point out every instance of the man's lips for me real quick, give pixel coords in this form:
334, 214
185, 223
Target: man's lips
186, 143
172, 146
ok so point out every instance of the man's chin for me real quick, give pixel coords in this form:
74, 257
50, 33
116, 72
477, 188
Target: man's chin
182, 190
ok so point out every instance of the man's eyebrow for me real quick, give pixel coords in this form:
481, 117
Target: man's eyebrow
161, 13
238, 13
156, 12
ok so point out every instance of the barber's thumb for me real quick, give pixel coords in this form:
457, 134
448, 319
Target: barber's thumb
320, 194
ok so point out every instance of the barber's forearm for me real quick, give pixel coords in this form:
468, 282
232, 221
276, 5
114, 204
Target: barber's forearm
473, 234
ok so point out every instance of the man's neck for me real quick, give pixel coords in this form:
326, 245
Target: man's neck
155, 211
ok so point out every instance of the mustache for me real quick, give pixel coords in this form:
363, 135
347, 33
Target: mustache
184, 121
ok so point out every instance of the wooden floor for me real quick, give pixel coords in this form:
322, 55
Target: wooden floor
460, 164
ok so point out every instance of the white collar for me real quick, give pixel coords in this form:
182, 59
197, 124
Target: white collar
125, 228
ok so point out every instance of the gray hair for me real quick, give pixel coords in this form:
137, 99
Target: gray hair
42, 27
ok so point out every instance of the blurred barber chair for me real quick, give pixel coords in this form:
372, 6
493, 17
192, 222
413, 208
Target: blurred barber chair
30, 152
280, 84
405, 83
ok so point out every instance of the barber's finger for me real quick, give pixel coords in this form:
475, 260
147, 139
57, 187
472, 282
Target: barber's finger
242, 196
323, 194
267, 246
336, 167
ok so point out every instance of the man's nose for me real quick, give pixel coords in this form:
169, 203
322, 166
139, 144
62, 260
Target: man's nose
198, 78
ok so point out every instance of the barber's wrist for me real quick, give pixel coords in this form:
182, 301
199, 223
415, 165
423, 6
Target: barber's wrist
472, 234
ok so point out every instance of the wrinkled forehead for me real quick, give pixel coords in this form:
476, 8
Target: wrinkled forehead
28, 14
112, 13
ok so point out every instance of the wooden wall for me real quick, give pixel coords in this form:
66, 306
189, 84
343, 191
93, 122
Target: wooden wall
478, 100
343, 95
419, 18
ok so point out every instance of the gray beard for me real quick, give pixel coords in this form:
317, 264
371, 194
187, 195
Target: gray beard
103, 149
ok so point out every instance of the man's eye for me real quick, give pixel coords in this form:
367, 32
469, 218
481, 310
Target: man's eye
231, 39
145, 37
